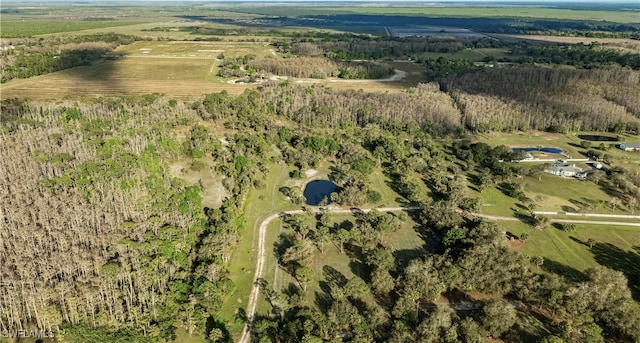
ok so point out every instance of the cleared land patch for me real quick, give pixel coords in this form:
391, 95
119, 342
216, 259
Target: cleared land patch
180, 69
569, 252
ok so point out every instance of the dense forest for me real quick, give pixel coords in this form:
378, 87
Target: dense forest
98, 232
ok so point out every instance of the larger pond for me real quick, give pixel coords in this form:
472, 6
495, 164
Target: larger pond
316, 191
546, 149
598, 138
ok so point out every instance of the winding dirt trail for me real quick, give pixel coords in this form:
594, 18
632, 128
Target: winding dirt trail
261, 255
262, 230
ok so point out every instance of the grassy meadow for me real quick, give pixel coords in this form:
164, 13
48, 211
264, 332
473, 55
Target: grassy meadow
259, 204
162, 67
12, 29
569, 253
183, 69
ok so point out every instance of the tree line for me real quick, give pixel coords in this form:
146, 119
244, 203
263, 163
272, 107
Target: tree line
558, 100
32, 57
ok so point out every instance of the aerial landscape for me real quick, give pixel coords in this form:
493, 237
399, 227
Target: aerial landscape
347, 171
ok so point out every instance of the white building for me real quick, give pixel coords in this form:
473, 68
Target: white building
561, 168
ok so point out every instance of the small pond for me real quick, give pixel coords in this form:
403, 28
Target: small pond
547, 150
317, 190
598, 138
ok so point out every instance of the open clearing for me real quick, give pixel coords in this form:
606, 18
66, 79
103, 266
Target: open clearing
183, 70
616, 247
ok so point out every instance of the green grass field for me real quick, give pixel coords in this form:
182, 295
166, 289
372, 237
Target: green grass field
12, 29
559, 193
616, 247
258, 205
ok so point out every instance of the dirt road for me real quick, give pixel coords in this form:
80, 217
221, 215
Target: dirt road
262, 230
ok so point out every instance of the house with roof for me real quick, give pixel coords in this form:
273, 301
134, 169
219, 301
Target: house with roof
562, 168
629, 146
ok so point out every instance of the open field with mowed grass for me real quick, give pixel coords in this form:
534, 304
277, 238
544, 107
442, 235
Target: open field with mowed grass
180, 78
196, 49
531, 139
179, 69
11, 29
184, 70
558, 194
616, 247
259, 204
570, 143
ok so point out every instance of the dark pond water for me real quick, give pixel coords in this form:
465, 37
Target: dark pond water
547, 149
598, 138
317, 190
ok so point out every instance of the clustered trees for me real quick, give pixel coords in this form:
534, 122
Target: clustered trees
322, 68
391, 300
31, 57
99, 230
522, 98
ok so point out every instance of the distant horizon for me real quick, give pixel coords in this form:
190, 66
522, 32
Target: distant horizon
425, 3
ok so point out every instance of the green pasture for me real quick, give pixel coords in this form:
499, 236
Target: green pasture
27, 28
554, 194
533, 139
563, 194
259, 204
496, 203
496, 53
616, 247
569, 142
195, 49
626, 159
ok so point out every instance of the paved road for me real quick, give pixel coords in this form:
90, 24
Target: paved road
262, 230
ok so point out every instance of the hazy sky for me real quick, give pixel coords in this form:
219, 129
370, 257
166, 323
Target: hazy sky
637, 2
